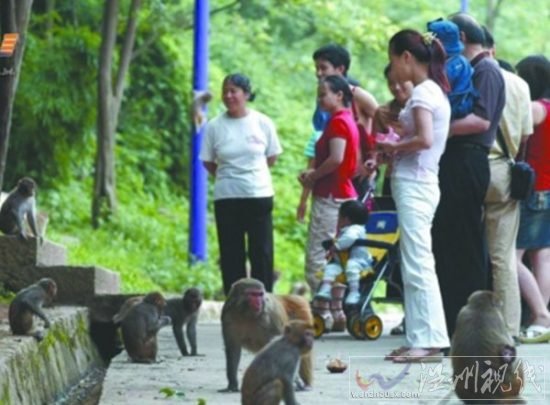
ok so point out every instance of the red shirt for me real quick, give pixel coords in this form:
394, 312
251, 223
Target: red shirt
338, 184
538, 150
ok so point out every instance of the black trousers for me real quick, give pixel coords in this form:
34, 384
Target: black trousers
245, 228
458, 232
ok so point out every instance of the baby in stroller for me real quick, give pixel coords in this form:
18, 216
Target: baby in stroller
352, 217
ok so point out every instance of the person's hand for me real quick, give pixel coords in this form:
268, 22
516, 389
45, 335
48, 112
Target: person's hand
387, 146
370, 165
301, 212
306, 178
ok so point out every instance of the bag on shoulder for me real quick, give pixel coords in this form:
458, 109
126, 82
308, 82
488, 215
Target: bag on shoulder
523, 180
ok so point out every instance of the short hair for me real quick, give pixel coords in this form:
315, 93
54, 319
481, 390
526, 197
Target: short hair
470, 27
489, 39
535, 70
355, 211
336, 54
506, 66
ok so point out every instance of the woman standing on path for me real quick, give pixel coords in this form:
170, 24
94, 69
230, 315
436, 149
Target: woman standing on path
415, 187
239, 147
335, 166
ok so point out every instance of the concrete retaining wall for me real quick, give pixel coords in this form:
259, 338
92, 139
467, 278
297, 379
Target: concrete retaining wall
34, 372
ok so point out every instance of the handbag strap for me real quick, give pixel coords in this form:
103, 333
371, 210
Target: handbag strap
502, 143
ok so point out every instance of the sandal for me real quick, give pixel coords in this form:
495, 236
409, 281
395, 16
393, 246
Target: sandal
432, 355
396, 353
535, 334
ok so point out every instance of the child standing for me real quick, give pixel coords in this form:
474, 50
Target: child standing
352, 217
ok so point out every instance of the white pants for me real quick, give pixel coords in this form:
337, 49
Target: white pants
424, 316
353, 269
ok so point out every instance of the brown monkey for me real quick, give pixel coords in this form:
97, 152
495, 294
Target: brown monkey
251, 318
200, 99
140, 326
270, 377
19, 204
29, 302
185, 311
481, 336
125, 308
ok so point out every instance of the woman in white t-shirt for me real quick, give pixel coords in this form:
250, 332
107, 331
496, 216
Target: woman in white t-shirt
415, 187
238, 148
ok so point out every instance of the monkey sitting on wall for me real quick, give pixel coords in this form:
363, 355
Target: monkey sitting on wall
20, 207
251, 317
270, 377
140, 327
483, 353
29, 302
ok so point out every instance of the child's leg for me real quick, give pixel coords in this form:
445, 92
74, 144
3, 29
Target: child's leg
332, 270
353, 269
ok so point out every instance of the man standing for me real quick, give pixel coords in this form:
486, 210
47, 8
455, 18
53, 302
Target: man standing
459, 241
501, 211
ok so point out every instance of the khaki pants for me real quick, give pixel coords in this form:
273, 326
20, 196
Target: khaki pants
502, 222
322, 226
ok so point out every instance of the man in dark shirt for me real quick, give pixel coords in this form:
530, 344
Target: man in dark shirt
459, 244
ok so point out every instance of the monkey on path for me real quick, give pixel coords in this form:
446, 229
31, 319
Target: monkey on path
483, 353
251, 317
29, 302
270, 377
140, 326
20, 205
182, 311
185, 311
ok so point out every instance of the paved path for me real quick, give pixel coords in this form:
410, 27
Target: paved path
193, 378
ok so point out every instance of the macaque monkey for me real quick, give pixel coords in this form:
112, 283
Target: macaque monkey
200, 99
251, 317
20, 206
185, 311
270, 377
182, 311
488, 368
29, 302
140, 327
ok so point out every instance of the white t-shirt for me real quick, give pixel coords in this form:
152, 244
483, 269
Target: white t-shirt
423, 165
240, 147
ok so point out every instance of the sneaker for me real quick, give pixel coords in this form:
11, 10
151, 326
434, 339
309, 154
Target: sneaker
353, 298
324, 292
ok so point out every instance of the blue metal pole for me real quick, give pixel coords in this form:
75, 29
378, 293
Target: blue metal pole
464, 6
198, 183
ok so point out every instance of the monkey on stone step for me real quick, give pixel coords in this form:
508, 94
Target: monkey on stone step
185, 311
483, 353
140, 327
29, 302
251, 317
20, 205
270, 377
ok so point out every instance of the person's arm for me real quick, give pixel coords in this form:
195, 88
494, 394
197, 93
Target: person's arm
539, 113
301, 210
210, 167
331, 163
422, 139
470, 124
366, 105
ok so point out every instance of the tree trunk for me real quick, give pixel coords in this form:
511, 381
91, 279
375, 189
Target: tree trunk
104, 201
493, 9
14, 17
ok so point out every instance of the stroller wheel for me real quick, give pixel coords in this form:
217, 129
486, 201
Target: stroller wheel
372, 327
354, 326
318, 325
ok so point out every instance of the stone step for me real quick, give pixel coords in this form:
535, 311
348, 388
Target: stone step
16, 252
34, 372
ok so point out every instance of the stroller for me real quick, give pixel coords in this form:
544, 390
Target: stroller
383, 244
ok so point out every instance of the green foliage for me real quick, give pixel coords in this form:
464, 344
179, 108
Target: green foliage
54, 136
